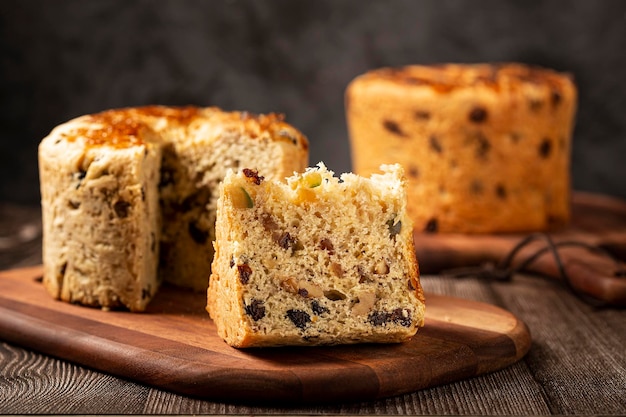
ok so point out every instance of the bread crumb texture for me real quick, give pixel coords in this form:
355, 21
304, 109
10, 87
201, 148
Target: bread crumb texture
317, 260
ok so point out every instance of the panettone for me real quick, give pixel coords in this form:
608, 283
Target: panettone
129, 196
486, 148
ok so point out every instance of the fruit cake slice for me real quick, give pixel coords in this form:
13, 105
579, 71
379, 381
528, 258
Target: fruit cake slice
317, 260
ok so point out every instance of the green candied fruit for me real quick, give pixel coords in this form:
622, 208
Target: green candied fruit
314, 179
241, 199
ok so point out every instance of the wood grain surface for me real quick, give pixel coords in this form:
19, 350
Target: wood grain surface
575, 366
174, 346
597, 221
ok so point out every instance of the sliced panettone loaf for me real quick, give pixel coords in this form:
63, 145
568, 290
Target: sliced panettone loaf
129, 196
319, 260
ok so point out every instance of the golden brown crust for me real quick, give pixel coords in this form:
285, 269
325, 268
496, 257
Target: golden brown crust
448, 77
120, 128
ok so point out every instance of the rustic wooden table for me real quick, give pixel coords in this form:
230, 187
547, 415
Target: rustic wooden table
576, 364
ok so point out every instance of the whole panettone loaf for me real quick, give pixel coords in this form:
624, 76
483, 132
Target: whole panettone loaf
320, 260
486, 148
129, 195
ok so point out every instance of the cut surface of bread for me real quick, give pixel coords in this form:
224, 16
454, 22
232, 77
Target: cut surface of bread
129, 196
319, 260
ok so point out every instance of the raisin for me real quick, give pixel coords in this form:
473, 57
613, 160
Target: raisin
476, 187
422, 115
152, 242
393, 127
253, 176
394, 228
318, 308
299, 318
80, 176
535, 104
268, 222
121, 208
556, 98
501, 191
379, 318
398, 316
197, 234
244, 273
62, 270
167, 177
431, 226
73, 204
435, 145
545, 148
482, 146
327, 245
256, 310
401, 317
478, 114
303, 292
286, 241
198, 199
146, 293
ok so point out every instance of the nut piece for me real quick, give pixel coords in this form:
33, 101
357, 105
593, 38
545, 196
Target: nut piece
290, 285
365, 304
312, 290
381, 267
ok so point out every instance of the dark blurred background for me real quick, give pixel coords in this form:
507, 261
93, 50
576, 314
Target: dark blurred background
61, 59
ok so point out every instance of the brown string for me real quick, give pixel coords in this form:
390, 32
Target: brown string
505, 270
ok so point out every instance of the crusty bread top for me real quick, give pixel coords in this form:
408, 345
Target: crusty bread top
446, 78
127, 127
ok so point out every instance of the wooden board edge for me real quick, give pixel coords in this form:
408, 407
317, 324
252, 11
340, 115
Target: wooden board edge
292, 389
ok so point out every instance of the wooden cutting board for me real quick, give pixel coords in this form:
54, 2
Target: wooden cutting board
597, 220
174, 346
